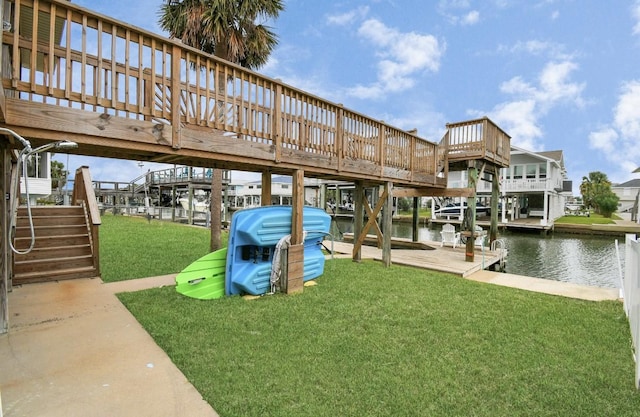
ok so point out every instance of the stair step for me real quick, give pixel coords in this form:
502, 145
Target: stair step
39, 265
52, 220
52, 241
51, 211
55, 252
62, 246
52, 230
62, 274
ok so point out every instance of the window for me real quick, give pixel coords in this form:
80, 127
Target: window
543, 171
517, 172
531, 171
285, 186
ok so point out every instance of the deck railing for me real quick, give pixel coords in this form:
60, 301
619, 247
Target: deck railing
477, 139
83, 195
69, 56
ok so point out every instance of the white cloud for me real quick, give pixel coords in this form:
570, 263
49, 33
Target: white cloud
555, 85
555, 15
537, 48
348, 17
521, 116
401, 57
520, 120
619, 141
470, 18
635, 12
627, 112
603, 139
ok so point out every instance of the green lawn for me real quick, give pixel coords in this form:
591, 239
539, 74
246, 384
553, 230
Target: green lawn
592, 219
132, 247
375, 341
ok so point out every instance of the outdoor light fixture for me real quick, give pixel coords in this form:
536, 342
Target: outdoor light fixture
26, 152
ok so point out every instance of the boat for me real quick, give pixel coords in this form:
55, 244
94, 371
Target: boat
204, 279
245, 266
253, 236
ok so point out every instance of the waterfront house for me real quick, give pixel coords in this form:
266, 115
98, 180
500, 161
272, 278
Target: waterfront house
249, 194
535, 185
38, 167
627, 192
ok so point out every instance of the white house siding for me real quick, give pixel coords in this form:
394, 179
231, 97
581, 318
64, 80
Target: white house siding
534, 177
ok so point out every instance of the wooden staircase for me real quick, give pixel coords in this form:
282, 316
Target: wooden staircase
63, 245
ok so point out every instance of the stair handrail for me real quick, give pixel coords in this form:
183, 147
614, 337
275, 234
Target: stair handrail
83, 194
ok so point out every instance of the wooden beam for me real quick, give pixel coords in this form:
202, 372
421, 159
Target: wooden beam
434, 192
297, 207
215, 209
358, 218
295, 256
176, 94
495, 191
415, 219
265, 197
372, 220
371, 215
471, 215
387, 217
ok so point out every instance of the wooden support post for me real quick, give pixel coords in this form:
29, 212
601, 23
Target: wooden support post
5, 251
358, 218
471, 214
265, 199
322, 203
414, 223
215, 209
495, 195
387, 218
295, 257
295, 269
190, 203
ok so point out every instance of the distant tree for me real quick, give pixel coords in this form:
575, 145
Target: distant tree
607, 203
594, 188
58, 175
404, 204
228, 29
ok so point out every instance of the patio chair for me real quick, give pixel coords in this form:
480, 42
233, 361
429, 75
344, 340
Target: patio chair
449, 235
481, 236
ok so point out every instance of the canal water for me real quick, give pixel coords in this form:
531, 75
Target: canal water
580, 259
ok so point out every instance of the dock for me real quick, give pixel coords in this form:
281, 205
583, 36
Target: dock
447, 259
436, 258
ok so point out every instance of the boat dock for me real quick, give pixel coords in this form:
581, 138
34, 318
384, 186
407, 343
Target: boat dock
447, 259
437, 258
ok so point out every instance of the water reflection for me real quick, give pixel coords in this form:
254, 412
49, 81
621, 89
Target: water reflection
580, 259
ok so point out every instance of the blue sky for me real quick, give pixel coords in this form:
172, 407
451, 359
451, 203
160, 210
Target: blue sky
554, 74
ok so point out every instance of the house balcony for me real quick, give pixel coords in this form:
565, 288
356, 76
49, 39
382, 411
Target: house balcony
523, 185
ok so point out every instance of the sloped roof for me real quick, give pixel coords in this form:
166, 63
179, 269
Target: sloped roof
635, 183
554, 155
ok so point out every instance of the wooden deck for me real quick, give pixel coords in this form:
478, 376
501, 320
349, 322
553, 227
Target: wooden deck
443, 259
122, 92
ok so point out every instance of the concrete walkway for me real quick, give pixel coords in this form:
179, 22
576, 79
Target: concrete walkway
546, 286
74, 350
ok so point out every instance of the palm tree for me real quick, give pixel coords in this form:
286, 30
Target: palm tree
594, 186
228, 29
